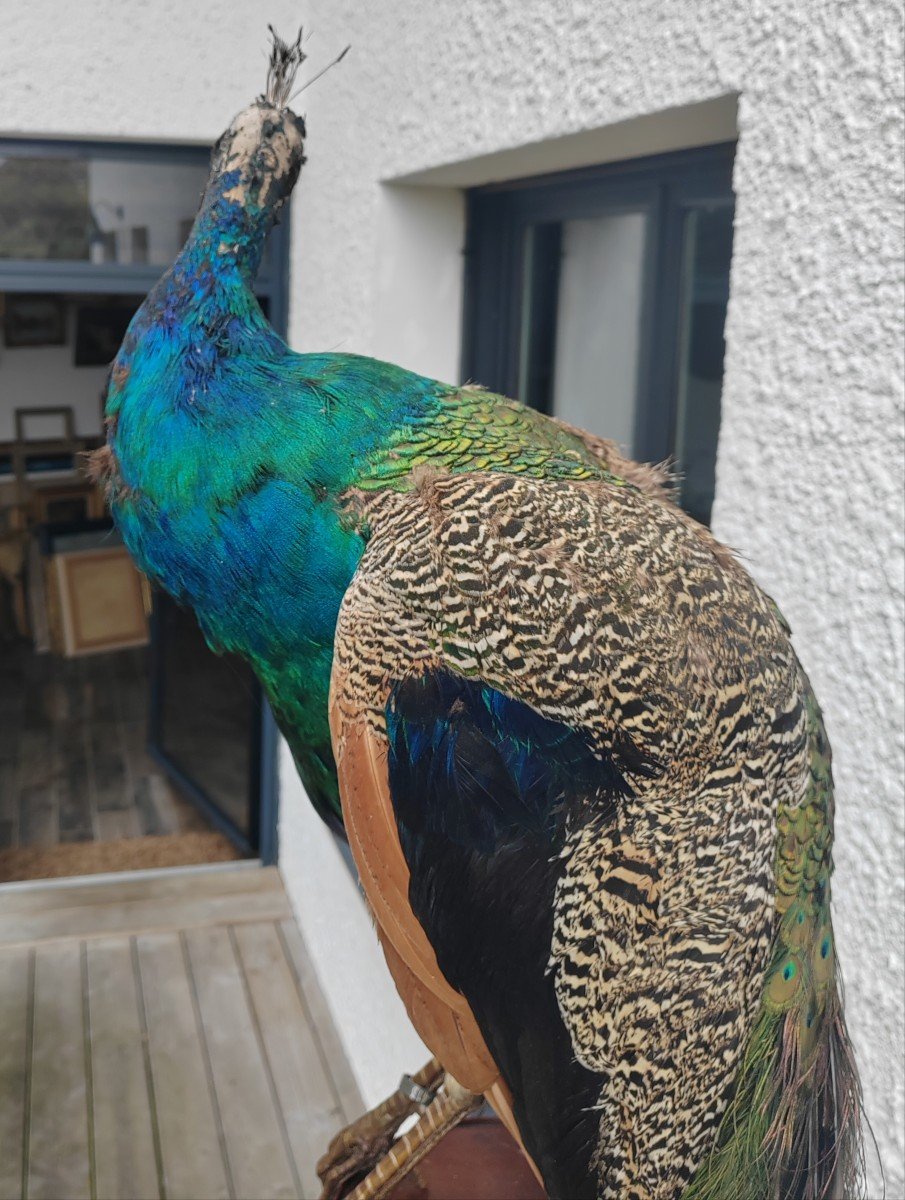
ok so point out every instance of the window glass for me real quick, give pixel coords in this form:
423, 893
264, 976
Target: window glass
542, 250
84, 232
97, 209
598, 324
581, 321
707, 250
208, 708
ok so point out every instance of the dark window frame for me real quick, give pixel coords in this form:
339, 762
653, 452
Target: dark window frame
665, 186
66, 276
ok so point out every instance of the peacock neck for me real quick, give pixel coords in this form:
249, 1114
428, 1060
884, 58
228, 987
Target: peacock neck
217, 267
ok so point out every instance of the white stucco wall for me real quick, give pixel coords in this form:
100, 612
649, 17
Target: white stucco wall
437, 95
810, 485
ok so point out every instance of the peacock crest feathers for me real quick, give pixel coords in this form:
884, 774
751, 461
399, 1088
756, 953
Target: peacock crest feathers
282, 68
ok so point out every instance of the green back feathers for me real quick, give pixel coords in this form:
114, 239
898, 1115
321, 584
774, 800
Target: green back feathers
793, 1128
470, 429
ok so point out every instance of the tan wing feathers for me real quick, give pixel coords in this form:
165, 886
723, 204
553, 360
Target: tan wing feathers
610, 611
371, 829
440, 1014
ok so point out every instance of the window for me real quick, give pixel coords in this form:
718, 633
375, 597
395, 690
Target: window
85, 232
600, 296
74, 214
83, 207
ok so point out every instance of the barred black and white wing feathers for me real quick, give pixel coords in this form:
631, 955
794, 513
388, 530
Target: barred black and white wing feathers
582, 718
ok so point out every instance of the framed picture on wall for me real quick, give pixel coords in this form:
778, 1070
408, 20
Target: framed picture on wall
100, 326
33, 320
44, 424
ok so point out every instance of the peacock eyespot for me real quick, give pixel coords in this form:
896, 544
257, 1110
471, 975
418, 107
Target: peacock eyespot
824, 947
788, 971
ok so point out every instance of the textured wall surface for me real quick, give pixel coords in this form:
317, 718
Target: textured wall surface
810, 486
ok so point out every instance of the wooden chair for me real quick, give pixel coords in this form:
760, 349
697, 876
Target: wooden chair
75, 498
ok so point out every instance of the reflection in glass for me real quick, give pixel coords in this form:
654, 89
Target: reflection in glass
537, 339
581, 321
707, 251
101, 210
43, 208
208, 712
598, 325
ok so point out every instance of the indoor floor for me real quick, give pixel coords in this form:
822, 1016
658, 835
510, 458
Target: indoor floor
78, 791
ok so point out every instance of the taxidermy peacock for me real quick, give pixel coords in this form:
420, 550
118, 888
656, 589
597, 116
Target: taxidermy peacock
583, 775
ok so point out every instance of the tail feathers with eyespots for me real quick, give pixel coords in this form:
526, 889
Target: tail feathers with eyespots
792, 1130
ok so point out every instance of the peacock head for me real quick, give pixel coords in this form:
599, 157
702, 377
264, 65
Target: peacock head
257, 160
254, 167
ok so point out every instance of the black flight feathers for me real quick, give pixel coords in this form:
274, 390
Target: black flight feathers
482, 769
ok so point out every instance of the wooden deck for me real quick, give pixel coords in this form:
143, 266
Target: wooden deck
163, 1035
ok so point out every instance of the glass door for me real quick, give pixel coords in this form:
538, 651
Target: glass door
580, 334
206, 723
600, 296
86, 229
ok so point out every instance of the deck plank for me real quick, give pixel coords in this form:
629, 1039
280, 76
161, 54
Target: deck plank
164, 902
188, 883
187, 1120
73, 736
125, 1161
117, 823
76, 785
255, 1137
10, 773
201, 1057
110, 778
309, 1102
15, 972
322, 1022
39, 785
58, 1155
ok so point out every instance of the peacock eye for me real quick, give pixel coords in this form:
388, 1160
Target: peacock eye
788, 971
824, 947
